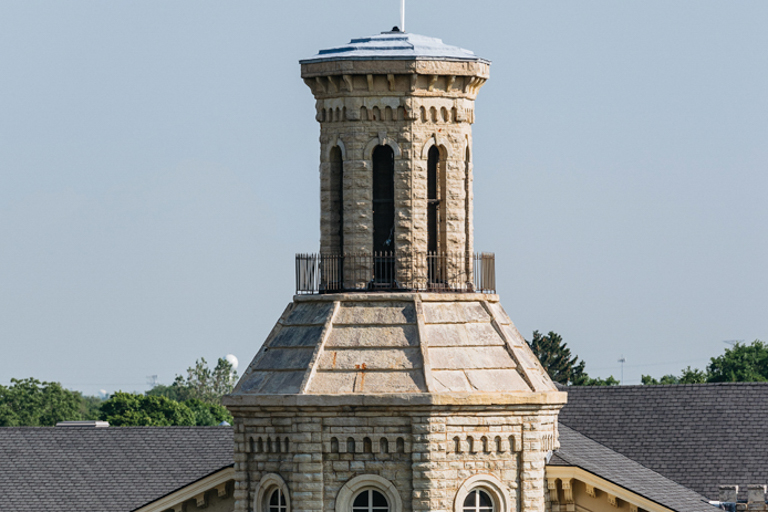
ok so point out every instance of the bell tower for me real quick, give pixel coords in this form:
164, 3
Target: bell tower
396, 113
394, 381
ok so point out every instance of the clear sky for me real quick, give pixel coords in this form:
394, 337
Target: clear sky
158, 171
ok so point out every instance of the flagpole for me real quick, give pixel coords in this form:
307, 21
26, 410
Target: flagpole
402, 15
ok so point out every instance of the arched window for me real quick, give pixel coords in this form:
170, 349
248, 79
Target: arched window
383, 213
476, 501
468, 213
482, 493
435, 215
433, 201
369, 500
271, 495
369, 493
277, 502
336, 187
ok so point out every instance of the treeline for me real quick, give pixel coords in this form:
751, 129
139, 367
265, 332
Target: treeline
191, 400
555, 357
741, 363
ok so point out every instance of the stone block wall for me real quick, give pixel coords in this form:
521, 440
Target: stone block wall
410, 113
427, 454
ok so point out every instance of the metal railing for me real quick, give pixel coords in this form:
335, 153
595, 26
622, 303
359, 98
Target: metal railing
391, 271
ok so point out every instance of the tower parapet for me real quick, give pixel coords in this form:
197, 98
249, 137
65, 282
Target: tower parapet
396, 113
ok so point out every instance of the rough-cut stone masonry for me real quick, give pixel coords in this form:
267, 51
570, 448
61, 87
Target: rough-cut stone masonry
409, 108
426, 398
414, 448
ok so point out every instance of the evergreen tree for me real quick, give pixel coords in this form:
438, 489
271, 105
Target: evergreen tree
555, 357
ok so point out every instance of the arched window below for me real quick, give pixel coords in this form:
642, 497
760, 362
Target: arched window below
277, 502
369, 500
476, 501
271, 495
482, 493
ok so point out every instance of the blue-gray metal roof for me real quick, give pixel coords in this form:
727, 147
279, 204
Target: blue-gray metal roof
395, 46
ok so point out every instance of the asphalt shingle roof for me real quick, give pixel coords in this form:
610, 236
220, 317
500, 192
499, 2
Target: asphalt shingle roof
699, 435
580, 451
112, 469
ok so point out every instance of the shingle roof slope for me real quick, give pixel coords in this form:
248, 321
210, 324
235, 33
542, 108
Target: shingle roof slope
699, 435
104, 469
578, 450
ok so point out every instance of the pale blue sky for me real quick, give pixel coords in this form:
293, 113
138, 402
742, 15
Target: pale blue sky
158, 170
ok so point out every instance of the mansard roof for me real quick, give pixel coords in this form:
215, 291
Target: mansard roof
395, 46
414, 348
579, 451
112, 469
699, 435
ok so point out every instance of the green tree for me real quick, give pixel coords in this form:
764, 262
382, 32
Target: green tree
201, 383
647, 380
131, 410
589, 381
208, 414
741, 363
30, 402
692, 376
555, 357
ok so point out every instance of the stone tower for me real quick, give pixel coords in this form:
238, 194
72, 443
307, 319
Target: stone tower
394, 381
395, 113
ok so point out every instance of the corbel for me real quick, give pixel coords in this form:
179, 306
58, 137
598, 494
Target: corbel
333, 85
632, 507
348, 82
449, 83
221, 490
370, 82
391, 80
178, 508
612, 500
200, 500
432, 81
320, 84
591, 490
414, 79
552, 486
468, 85
567, 490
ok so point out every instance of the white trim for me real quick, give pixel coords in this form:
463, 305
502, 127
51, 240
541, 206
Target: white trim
488, 483
189, 492
267, 484
350, 489
631, 497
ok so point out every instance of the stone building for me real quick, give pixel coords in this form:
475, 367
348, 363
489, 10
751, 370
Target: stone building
394, 381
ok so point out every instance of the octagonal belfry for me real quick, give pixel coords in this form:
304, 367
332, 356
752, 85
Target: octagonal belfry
395, 113
394, 381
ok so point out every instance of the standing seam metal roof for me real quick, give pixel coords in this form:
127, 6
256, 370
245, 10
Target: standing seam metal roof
395, 46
